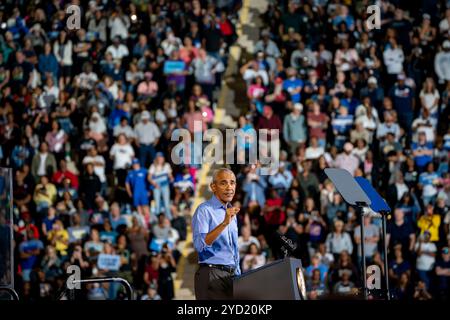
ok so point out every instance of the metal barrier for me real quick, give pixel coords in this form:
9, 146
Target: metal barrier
11, 291
123, 282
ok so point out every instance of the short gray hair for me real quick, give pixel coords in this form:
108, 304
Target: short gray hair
217, 171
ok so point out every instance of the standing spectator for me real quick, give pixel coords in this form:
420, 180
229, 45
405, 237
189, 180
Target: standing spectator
442, 63
371, 238
147, 137
43, 163
90, 185
442, 269
403, 98
346, 160
137, 189
426, 257
62, 48
294, 128
400, 231
429, 223
339, 240
160, 177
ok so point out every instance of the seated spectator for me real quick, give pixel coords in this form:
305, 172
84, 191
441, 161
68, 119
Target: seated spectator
344, 286
315, 287
253, 259
339, 240
246, 239
44, 194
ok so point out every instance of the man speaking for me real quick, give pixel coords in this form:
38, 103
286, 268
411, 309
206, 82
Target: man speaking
215, 236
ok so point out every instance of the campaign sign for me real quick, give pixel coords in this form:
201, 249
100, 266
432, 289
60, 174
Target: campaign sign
173, 67
108, 261
77, 233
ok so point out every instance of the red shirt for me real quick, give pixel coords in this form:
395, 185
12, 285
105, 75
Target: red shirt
317, 132
59, 176
153, 274
226, 28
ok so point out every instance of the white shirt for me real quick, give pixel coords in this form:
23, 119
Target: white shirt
314, 153
98, 169
123, 154
429, 99
119, 26
442, 65
147, 133
118, 52
393, 59
127, 131
41, 170
244, 244
425, 262
251, 74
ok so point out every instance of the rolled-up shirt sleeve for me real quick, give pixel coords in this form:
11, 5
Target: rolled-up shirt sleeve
200, 228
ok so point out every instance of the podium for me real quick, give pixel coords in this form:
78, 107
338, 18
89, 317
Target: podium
280, 280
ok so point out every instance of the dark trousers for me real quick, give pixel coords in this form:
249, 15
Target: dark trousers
146, 154
213, 284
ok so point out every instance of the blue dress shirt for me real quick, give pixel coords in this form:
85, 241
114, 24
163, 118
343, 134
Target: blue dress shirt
224, 249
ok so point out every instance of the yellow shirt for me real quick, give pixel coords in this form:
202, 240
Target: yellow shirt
50, 194
62, 242
430, 224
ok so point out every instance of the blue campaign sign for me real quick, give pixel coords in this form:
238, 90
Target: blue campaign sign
378, 203
174, 66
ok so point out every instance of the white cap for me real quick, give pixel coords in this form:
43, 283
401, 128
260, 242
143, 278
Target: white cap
298, 106
145, 115
372, 80
446, 44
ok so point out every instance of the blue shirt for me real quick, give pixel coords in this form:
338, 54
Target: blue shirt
402, 97
423, 160
224, 249
289, 85
137, 179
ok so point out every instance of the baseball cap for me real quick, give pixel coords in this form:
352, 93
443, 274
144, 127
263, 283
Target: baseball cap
446, 44
298, 106
159, 154
145, 115
135, 161
445, 250
372, 80
401, 76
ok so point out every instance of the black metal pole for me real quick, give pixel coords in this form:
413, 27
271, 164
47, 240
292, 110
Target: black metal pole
386, 275
363, 257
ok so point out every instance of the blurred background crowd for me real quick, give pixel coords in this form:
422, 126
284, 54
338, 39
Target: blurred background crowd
86, 118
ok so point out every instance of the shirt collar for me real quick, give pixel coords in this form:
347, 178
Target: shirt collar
216, 203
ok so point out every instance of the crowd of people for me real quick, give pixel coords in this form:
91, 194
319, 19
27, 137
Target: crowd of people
87, 115
371, 101
86, 119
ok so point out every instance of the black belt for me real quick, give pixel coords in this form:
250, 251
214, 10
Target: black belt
218, 266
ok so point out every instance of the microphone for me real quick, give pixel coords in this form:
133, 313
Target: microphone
288, 246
